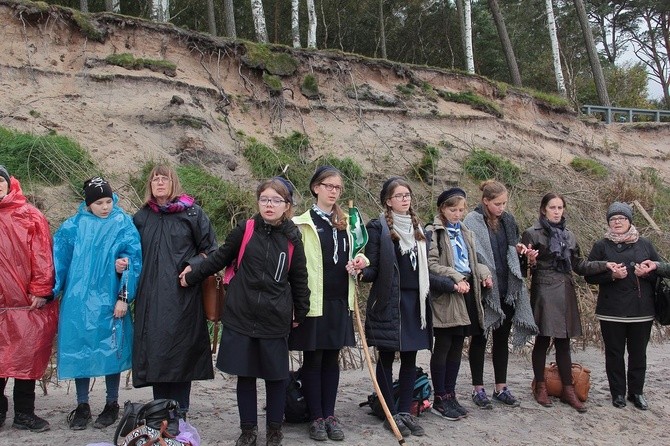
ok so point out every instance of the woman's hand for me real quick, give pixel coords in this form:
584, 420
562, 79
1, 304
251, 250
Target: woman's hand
463, 287
620, 271
612, 266
182, 276
120, 309
37, 302
356, 265
644, 268
121, 264
487, 282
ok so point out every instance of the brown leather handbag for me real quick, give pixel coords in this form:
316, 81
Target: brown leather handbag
581, 379
212, 297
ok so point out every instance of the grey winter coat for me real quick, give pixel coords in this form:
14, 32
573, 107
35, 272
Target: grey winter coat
449, 308
552, 293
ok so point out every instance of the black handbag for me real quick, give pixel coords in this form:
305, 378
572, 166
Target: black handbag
151, 414
662, 301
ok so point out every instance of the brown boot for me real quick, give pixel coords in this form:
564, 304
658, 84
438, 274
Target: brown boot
568, 396
541, 395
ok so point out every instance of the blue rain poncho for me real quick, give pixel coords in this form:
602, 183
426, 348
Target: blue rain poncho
91, 341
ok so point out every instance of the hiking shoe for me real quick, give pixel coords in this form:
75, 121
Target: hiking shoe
462, 410
412, 424
79, 418
481, 400
444, 407
273, 436
317, 430
30, 422
108, 416
248, 437
505, 396
334, 428
404, 430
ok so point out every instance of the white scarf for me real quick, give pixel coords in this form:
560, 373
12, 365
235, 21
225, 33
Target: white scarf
418, 255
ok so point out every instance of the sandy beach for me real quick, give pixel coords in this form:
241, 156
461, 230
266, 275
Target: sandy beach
214, 412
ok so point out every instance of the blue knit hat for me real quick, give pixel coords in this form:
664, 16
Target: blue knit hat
447, 194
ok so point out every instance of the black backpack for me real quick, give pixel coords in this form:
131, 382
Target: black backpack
422, 393
150, 414
295, 410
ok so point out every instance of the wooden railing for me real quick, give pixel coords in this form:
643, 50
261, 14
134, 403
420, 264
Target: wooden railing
616, 114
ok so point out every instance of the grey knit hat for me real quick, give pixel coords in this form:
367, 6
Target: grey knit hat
4, 174
619, 208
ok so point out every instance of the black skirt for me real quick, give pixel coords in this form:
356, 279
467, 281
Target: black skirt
331, 331
412, 336
243, 355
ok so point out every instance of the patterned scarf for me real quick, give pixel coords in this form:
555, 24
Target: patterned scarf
558, 244
326, 218
417, 254
629, 237
179, 204
461, 262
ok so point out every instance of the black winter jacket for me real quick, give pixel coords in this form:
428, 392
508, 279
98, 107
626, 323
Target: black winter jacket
632, 296
265, 295
171, 341
382, 317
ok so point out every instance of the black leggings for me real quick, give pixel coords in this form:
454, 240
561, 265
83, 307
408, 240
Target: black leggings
406, 379
320, 376
24, 396
499, 353
445, 361
563, 358
180, 391
247, 404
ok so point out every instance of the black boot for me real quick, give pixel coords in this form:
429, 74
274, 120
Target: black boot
248, 437
273, 437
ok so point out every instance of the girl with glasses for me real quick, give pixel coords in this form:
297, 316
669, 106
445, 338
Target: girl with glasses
266, 298
328, 326
398, 317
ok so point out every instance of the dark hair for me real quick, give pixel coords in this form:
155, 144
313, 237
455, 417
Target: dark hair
387, 192
281, 186
338, 218
547, 198
491, 189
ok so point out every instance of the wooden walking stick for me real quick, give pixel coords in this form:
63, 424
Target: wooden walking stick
361, 331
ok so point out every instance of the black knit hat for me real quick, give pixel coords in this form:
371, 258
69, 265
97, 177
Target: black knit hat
95, 189
4, 174
319, 171
385, 187
619, 208
447, 194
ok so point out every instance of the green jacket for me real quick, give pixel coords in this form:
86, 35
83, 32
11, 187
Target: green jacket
315, 264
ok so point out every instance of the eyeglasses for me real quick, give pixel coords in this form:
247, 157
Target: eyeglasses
274, 201
332, 187
160, 179
402, 197
618, 218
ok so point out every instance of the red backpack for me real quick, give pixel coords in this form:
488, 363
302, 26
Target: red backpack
230, 271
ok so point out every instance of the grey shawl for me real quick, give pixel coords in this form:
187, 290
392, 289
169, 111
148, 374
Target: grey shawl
523, 322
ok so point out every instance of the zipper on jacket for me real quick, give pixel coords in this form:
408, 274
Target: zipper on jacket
280, 266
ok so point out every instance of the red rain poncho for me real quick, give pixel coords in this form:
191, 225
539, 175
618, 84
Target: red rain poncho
26, 268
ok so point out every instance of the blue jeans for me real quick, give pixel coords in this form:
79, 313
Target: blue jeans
111, 381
